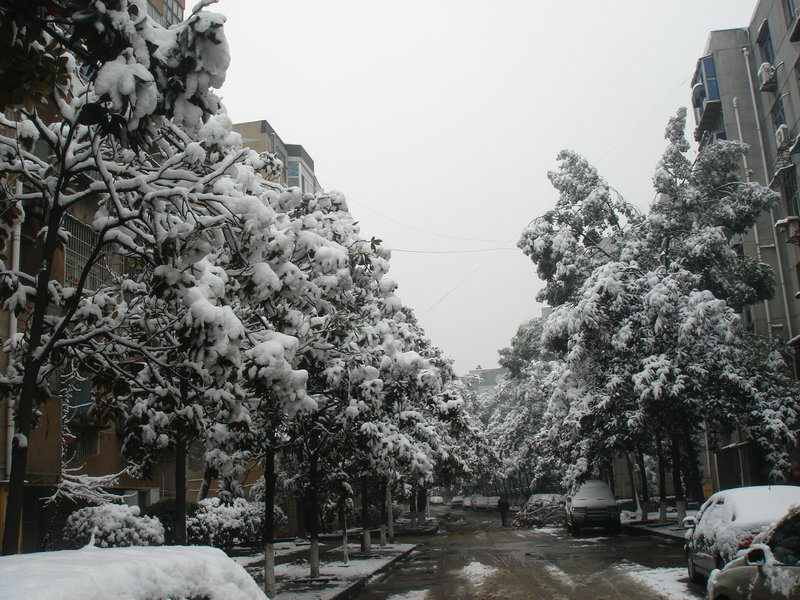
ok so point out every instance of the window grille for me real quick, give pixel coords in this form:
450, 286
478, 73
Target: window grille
82, 240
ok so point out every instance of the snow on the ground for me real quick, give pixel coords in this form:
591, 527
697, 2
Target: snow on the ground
281, 549
133, 573
476, 572
667, 582
557, 573
294, 583
412, 595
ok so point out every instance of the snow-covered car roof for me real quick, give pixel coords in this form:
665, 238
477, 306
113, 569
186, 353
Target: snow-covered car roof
760, 503
133, 573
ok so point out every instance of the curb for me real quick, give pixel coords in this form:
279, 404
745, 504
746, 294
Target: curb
356, 586
643, 529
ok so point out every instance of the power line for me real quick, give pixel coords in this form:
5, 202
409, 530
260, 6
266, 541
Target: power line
442, 235
451, 251
463, 281
641, 122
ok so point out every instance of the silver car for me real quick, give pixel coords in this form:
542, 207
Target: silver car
767, 571
729, 521
592, 505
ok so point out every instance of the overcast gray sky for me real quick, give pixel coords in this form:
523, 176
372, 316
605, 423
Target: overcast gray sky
440, 119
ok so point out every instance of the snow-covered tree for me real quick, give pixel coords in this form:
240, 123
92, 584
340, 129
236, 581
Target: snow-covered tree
113, 145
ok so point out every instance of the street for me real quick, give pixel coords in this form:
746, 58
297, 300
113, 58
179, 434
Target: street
475, 558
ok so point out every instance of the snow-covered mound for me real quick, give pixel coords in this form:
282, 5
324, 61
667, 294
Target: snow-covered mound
133, 573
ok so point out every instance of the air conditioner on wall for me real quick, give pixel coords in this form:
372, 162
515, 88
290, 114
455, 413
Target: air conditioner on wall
782, 137
766, 76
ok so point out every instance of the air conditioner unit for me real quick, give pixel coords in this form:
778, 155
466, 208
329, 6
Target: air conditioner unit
766, 75
782, 137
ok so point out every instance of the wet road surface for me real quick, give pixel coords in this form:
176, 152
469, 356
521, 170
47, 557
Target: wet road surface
475, 558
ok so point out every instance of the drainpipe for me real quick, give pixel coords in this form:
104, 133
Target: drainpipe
12, 331
756, 235
767, 179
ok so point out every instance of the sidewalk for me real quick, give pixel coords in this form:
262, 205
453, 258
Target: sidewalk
336, 581
670, 528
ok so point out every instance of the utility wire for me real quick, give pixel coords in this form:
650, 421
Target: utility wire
442, 235
463, 281
451, 251
641, 122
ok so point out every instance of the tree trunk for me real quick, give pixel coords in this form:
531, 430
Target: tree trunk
422, 503
365, 517
383, 517
643, 476
414, 508
680, 501
343, 525
632, 477
180, 490
24, 414
313, 522
205, 485
390, 513
694, 482
269, 523
662, 480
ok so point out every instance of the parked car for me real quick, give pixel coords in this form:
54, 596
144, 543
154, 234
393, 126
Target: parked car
437, 500
592, 505
485, 503
767, 571
134, 573
467, 501
457, 501
729, 520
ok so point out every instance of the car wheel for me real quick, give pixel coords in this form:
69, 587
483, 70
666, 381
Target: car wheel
693, 574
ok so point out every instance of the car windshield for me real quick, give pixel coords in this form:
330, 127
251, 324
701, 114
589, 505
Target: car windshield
785, 542
594, 491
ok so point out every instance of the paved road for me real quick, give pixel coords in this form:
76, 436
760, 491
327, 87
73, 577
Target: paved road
477, 559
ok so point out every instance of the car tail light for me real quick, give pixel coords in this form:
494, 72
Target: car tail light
745, 542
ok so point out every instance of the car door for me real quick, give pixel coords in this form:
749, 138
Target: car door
705, 533
781, 579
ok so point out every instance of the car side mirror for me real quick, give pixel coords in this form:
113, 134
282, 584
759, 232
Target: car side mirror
689, 522
756, 556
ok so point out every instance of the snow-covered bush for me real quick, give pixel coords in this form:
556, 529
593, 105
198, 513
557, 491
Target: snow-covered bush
112, 525
542, 511
240, 522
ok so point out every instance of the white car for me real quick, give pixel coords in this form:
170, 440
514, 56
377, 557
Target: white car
457, 501
436, 500
729, 520
134, 573
592, 505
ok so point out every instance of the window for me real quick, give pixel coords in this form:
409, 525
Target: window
788, 184
777, 114
764, 42
82, 241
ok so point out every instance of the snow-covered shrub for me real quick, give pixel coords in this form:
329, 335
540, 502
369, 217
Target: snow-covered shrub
240, 522
113, 525
542, 511
164, 511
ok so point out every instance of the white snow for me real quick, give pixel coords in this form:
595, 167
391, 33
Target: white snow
412, 595
477, 572
666, 582
134, 573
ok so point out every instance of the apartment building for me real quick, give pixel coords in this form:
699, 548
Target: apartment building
746, 87
166, 12
298, 166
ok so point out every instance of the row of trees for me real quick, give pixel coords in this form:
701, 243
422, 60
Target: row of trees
248, 317
645, 350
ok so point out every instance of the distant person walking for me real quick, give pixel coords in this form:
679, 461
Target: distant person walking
502, 506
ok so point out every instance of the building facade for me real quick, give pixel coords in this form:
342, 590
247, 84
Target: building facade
166, 12
746, 87
298, 166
